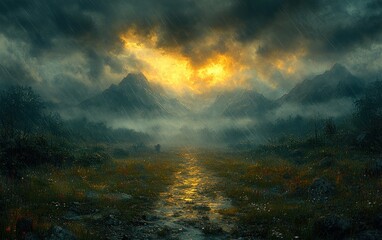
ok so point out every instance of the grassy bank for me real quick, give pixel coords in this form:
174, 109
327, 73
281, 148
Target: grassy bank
126, 188
272, 195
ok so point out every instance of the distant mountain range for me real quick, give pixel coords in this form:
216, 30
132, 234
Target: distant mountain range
240, 103
336, 83
134, 96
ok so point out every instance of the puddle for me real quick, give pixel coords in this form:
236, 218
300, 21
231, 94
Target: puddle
189, 209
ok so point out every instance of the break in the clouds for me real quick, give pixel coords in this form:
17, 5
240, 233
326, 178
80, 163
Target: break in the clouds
70, 49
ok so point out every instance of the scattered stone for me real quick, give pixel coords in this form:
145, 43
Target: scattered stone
59, 233
298, 153
326, 162
72, 216
191, 222
150, 218
23, 227
126, 237
92, 195
111, 196
369, 235
211, 229
321, 189
276, 191
118, 196
202, 208
331, 227
111, 220
164, 231
95, 216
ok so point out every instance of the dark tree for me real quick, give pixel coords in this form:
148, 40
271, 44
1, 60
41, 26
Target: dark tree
20, 110
21, 118
330, 127
52, 123
368, 116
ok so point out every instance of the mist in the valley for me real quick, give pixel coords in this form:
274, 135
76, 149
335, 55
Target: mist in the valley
209, 130
205, 128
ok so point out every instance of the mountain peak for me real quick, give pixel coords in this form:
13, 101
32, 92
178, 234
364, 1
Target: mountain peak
134, 79
134, 96
339, 69
335, 83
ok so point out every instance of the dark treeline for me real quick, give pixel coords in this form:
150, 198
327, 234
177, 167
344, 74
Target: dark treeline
31, 135
362, 129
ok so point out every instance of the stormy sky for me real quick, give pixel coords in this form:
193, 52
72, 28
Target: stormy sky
70, 49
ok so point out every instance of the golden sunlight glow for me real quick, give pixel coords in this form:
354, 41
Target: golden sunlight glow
288, 62
171, 69
217, 71
163, 67
219, 68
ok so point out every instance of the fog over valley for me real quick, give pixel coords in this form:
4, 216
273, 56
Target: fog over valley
190, 119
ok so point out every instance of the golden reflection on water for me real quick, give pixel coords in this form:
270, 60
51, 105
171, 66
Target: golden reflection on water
190, 183
192, 196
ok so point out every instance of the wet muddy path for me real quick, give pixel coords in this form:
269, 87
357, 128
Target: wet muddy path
189, 209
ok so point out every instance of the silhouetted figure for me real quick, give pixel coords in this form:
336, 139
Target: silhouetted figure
157, 148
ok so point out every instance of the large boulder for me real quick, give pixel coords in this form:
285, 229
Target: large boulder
59, 233
321, 189
326, 162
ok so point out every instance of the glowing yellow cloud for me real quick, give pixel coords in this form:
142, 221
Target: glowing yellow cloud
287, 64
175, 71
171, 69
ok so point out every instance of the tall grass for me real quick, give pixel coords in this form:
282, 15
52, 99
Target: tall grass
270, 192
45, 193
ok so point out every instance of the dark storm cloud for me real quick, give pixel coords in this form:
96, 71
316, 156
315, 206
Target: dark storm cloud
40, 21
65, 87
250, 18
99, 22
51, 28
364, 31
95, 64
12, 72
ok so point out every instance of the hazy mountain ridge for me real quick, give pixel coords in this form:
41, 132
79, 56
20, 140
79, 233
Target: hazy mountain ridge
134, 96
241, 103
335, 83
